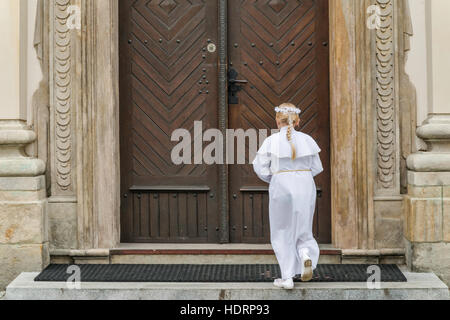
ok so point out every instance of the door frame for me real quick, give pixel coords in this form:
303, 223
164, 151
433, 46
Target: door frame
244, 199
222, 66
96, 65
223, 114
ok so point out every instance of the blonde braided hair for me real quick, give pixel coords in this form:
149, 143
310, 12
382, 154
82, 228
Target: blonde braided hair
288, 114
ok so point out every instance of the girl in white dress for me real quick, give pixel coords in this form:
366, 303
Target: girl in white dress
289, 160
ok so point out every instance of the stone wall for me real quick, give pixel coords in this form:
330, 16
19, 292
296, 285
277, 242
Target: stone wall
367, 133
427, 204
23, 196
373, 118
23, 205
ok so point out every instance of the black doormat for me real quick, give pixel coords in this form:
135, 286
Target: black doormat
213, 273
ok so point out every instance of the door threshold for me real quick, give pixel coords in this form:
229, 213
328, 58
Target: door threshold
204, 249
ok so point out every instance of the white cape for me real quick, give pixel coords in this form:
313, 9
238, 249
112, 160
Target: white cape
277, 145
292, 197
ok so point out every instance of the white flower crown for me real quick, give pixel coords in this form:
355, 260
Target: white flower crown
287, 110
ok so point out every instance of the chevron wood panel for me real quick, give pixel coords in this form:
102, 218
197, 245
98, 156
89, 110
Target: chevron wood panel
170, 217
164, 80
280, 47
168, 81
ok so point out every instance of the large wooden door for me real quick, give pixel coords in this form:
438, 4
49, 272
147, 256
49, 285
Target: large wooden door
167, 82
281, 49
169, 79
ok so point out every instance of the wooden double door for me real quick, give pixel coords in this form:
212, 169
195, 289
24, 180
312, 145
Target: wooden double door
169, 80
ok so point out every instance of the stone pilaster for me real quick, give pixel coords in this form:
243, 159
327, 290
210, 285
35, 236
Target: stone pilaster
427, 205
84, 204
365, 123
23, 220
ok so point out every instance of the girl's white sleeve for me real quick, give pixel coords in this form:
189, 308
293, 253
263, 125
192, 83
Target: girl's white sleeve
316, 165
262, 162
261, 165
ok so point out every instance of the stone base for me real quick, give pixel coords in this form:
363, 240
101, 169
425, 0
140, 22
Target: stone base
427, 222
419, 287
15, 259
216, 254
182, 259
429, 257
62, 220
178, 253
427, 213
23, 227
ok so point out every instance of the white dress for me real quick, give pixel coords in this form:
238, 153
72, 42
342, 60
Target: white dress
292, 197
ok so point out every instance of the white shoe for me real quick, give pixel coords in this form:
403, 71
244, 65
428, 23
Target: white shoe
285, 284
307, 270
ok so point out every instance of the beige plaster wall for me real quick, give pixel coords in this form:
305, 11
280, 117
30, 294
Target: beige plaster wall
21, 72
428, 64
418, 64
439, 47
33, 70
427, 205
9, 60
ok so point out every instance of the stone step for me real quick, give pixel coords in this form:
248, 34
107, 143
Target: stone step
214, 254
249, 255
420, 286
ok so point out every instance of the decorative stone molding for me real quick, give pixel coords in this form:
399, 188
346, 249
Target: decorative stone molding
14, 162
428, 162
435, 131
387, 100
61, 100
84, 120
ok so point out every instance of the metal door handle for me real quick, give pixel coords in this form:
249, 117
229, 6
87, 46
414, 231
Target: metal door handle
231, 81
319, 192
233, 86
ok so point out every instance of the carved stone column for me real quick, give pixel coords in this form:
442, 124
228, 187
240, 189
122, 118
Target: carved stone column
23, 222
427, 206
388, 114
23, 198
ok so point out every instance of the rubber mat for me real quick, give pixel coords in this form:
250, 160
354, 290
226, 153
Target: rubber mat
213, 273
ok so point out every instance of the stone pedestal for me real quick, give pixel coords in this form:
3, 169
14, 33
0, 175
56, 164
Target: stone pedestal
23, 202
427, 205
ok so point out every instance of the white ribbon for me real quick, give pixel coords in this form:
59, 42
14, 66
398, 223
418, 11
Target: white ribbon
287, 110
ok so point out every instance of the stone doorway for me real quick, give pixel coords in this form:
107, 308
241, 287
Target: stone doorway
169, 79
